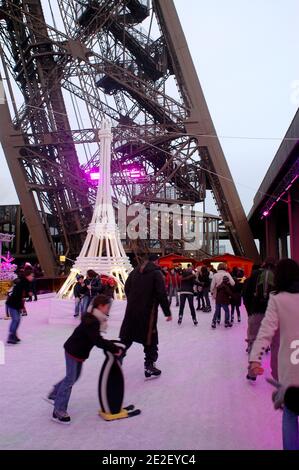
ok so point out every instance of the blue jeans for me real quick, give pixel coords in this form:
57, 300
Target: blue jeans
62, 391
205, 297
15, 316
290, 430
217, 314
85, 303
78, 306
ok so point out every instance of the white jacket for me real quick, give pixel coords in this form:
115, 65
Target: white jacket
282, 313
218, 279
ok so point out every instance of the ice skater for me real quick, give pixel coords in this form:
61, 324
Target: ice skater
204, 281
15, 303
77, 350
223, 299
236, 301
93, 287
216, 282
174, 286
145, 290
80, 290
188, 282
282, 315
256, 294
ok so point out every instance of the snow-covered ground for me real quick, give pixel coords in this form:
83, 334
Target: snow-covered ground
201, 401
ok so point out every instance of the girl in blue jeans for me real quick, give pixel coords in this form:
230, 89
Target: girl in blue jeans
77, 349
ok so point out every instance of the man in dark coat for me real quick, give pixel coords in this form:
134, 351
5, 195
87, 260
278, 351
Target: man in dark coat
145, 290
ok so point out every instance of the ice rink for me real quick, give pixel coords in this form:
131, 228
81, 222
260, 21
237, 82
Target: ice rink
201, 401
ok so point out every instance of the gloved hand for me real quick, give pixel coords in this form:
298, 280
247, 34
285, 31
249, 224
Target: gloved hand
277, 395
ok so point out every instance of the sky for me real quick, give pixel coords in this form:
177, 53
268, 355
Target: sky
246, 53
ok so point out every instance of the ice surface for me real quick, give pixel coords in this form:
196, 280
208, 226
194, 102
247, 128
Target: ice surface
201, 401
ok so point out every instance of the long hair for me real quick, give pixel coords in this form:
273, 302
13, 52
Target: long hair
204, 271
286, 274
91, 273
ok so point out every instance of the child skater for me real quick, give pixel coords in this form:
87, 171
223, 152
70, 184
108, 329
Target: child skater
223, 299
77, 349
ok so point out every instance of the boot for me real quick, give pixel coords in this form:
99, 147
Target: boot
150, 370
12, 340
61, 417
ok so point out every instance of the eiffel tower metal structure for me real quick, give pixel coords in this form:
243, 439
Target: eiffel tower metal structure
128, 61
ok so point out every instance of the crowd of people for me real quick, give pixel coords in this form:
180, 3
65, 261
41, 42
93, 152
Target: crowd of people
270, 296
85, 290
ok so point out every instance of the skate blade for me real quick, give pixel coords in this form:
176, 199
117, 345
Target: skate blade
152, 377
51, 402
67, 423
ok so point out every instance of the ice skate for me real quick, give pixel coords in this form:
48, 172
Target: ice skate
180, 320
12, 340
49, 399
228, 325
252, 378
151, 371
61, 417
213, 325
195, 322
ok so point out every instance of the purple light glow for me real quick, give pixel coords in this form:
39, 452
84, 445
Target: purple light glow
267, 212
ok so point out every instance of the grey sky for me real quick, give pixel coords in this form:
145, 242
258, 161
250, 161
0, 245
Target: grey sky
246, 54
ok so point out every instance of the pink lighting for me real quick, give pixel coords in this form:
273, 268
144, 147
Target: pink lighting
267, 212
94, 176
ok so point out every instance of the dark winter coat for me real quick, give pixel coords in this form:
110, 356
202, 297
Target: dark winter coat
237, 293
20, 291
204, 280
96, 286
188, 281
80, 290
253, 302
145, 290
85, 337
224, 294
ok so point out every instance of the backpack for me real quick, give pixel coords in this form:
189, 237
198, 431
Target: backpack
264, 285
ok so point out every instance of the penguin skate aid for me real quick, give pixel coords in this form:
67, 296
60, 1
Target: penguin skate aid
111, 388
